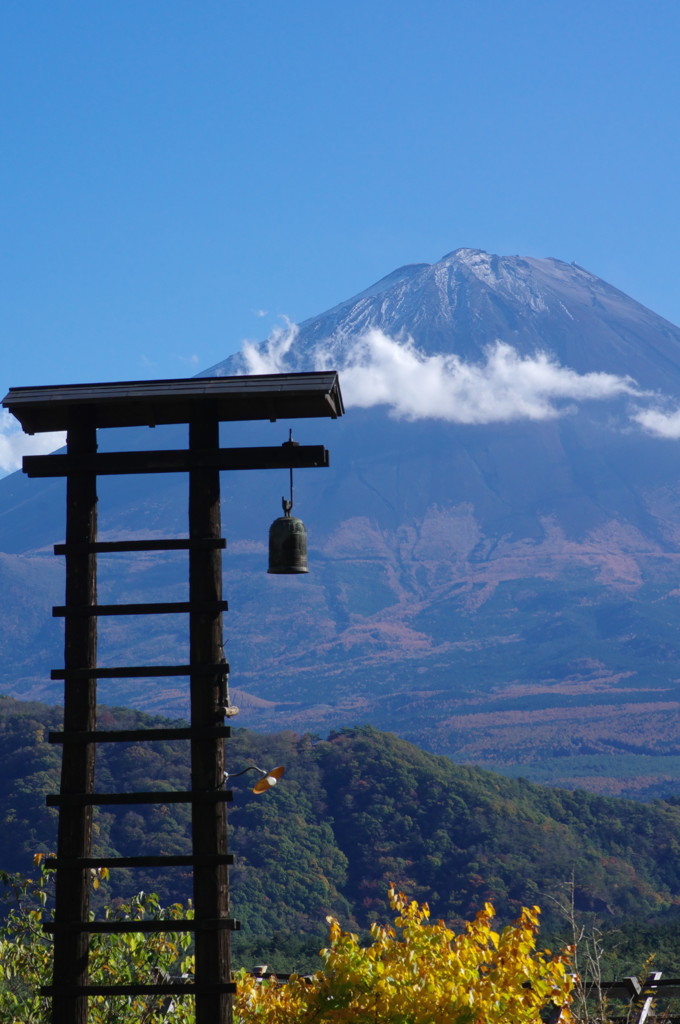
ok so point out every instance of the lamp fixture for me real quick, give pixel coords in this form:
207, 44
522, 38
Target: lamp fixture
267, 778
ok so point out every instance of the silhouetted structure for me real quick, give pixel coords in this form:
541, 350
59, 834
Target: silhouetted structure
81, 410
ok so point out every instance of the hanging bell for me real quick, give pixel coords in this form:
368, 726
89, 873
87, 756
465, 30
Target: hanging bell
287, 543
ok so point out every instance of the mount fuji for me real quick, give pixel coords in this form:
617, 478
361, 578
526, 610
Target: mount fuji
493, 552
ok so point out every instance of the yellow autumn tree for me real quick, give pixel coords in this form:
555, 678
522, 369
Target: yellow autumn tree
415, 972
412, 972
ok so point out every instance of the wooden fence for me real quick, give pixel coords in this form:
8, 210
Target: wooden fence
655, 1000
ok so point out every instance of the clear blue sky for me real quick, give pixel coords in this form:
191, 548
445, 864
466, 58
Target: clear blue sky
176, 174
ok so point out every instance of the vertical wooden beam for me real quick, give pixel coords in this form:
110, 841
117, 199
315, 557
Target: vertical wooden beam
78, 761
209, 820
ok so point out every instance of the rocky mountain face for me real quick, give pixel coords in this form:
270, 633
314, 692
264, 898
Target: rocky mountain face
493, 551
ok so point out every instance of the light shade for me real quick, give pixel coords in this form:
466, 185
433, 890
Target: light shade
269, 780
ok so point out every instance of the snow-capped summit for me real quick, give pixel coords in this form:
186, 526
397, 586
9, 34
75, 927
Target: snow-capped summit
470, 300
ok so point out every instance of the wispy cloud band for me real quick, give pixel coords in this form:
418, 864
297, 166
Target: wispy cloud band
504, 386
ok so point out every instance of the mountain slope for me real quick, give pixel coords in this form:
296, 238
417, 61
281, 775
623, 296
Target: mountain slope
493, 551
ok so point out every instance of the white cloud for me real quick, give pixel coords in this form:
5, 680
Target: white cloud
659, 423
504, 386
270, 357
14, 444
377, 369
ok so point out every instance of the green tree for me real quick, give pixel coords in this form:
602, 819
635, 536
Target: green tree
127, 958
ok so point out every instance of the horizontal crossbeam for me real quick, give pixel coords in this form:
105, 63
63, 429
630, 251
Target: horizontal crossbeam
172, 544
165, 988
187, 796
205, 860
310, 456
136, 735
144, 925
666, 988
154, 608
138, 671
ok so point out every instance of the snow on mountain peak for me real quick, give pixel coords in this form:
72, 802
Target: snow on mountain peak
467, 256
477, 337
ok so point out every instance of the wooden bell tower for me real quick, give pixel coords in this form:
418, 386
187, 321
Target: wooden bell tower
82, 410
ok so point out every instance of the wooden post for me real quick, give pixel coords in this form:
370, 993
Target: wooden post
209, 819
77, 772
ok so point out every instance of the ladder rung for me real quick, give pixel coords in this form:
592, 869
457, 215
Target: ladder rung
104, 546
138, 671
164, 988
144, 925
189, 796
154, 608
216, 732
199, 860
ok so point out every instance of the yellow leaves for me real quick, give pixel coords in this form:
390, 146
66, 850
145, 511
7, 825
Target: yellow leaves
98, 875
421, 973
334, 929
412, 971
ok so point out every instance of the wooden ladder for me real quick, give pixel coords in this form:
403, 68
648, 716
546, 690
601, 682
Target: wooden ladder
207, 672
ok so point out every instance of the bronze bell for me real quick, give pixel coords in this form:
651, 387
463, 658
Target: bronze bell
287, 543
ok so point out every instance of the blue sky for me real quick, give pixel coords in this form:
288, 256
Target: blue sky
176, 176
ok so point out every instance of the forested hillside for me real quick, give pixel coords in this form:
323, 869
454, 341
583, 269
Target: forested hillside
352, 813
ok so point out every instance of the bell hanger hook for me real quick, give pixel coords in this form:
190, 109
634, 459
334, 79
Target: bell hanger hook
287, 504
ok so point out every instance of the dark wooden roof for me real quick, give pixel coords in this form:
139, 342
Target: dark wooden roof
148, 402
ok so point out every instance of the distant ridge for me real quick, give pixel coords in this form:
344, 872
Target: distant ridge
355, 812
